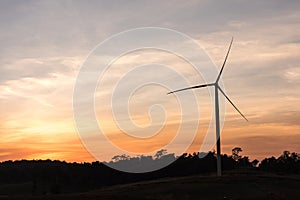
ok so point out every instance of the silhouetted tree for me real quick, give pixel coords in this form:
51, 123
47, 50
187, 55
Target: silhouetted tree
48, 176
254, 163
235, 153
160, 153
287, 162
120, 158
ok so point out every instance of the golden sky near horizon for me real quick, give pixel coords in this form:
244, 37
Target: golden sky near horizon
43, 45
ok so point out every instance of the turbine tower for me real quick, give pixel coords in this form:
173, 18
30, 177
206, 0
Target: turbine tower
217, 117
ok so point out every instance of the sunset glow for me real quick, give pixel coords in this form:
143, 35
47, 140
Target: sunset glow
44, 44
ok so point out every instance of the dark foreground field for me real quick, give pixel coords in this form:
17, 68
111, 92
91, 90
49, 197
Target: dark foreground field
233, 185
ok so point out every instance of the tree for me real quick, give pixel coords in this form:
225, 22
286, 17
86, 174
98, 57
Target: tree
235, 153
160, 153
118, 158
254, 163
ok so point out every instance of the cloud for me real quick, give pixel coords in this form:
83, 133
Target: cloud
44, 43
38, 67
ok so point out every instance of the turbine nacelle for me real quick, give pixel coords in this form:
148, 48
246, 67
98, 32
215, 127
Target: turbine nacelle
215, 84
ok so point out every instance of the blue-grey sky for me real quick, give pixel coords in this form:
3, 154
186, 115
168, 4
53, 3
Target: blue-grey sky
43, 44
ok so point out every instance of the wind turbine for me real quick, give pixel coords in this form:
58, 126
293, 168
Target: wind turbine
217, 117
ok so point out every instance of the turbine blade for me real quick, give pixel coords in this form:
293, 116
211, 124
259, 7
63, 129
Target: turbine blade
224, 61
193, 87
232, 104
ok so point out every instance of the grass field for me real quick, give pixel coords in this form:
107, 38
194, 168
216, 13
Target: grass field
232, 185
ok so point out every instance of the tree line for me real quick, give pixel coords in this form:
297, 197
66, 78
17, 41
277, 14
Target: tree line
47, 176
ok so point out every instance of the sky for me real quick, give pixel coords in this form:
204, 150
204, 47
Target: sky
44, 44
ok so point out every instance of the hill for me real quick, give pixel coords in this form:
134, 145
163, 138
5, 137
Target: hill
237, 184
